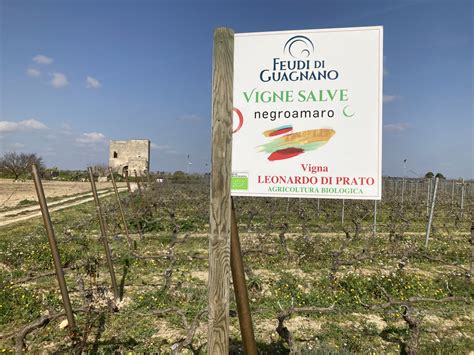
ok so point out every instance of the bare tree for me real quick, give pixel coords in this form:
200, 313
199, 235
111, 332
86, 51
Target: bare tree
15, 164
100, 170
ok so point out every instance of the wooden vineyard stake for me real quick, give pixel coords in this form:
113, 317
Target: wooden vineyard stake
403, 192
132, 205
148, 179
103, 236
54, 251
430, 219
428, 197
220, 209
375, 219
471, 265
240, 289
122, 214
452, 193
128, 182
342, 212
138, 183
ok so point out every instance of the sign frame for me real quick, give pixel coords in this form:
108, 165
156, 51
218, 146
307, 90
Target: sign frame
246, 176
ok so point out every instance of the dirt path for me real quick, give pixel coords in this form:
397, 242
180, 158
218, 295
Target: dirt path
34, 208
23, 214
12, 193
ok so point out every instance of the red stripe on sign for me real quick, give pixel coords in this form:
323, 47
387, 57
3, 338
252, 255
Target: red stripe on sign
285, 153
280, 131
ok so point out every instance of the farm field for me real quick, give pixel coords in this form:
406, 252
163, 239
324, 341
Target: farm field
18, 200
321, 279
14, 194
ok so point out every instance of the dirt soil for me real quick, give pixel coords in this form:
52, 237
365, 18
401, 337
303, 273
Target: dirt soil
11, 193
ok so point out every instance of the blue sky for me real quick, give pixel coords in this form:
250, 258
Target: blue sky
75, 74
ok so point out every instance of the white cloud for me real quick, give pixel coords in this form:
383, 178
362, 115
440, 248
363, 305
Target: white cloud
8, 126
90, 138
390, 98
31, 124
396, 127
92, 83
59, 80
33, 72
42, 59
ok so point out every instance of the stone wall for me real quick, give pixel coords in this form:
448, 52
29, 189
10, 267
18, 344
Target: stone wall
133, 155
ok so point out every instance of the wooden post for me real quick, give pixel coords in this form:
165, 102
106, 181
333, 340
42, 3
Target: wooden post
54, 251
342, 213
403, 190
122, 214
103, 236
132, 205
428, 197
430, 219
148, 178
375, 218
452, 193
128, 182
462, 198
471, 264
240, 290
220, 209
138, 183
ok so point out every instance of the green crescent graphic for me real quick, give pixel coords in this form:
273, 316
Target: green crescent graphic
345, 113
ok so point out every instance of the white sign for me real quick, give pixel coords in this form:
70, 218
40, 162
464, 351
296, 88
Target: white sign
308, 113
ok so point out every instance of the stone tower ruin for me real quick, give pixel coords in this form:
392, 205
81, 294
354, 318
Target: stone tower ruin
132, 155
